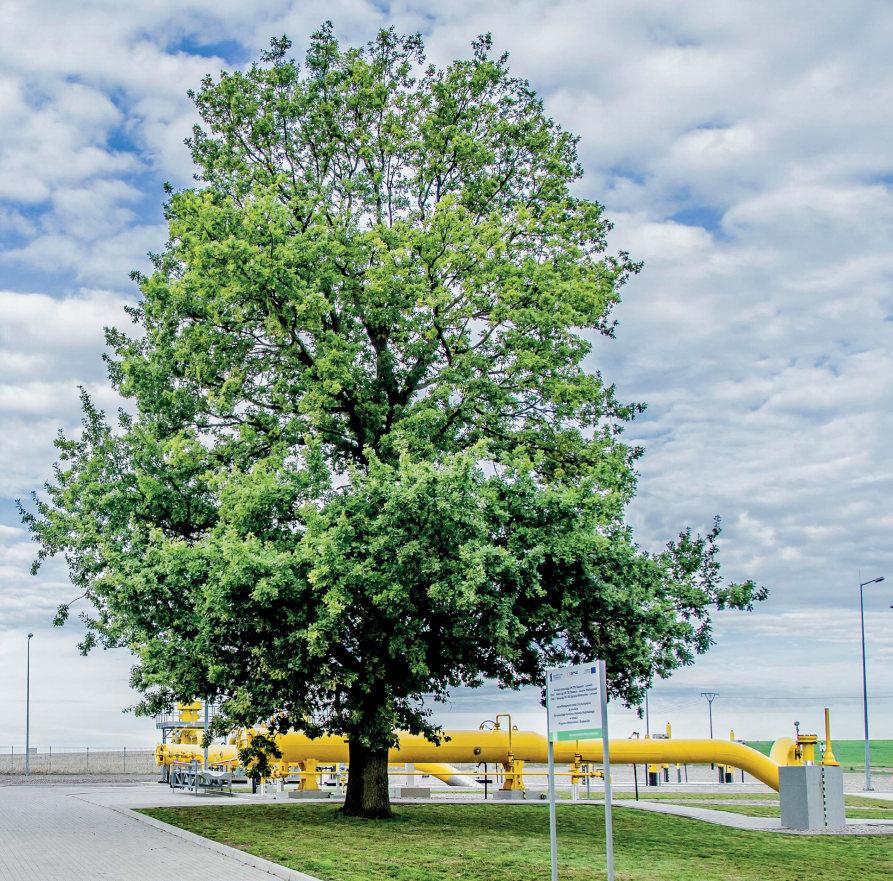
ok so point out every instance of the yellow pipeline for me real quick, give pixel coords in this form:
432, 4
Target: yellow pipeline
165, 754
528, 746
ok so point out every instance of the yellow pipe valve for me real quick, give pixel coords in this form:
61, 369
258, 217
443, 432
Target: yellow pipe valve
514, 774
189, 712
309, 775
806, 745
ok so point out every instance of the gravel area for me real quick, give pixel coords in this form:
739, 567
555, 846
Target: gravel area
853, 783
76, 779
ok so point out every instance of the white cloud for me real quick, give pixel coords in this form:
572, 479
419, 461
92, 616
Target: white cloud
61, 334
53, 135
94, 210
85, 254
48, 347
14, 222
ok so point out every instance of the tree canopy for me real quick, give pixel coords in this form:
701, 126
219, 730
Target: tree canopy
363, 461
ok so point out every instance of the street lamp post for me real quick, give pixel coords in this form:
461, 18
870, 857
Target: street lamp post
28, 706
862, 585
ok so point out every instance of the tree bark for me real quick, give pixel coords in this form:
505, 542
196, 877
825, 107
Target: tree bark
367, 784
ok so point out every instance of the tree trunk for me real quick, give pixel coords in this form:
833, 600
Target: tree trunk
367, 784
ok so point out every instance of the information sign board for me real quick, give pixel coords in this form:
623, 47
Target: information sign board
573, 702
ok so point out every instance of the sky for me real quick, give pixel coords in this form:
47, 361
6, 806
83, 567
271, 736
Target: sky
742, 151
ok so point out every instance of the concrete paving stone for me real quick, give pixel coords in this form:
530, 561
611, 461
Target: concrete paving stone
60, 833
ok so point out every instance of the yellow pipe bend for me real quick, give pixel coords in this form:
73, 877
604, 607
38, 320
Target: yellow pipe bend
784, 752
445, 773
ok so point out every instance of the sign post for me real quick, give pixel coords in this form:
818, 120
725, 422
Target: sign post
553, 834
606, 763
577, 709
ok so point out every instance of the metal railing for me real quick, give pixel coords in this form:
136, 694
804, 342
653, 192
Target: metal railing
174, 718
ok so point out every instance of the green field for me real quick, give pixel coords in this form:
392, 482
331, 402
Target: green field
850, 753
511, 843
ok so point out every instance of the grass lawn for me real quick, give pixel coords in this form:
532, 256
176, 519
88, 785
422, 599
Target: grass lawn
861, 801
850, 753
511, 843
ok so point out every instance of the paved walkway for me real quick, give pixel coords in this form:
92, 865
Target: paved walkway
883, 796
69, 833
761, 824
720, 818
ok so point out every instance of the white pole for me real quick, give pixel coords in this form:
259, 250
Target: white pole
553, 833
205, 738
28, 707
868, 787
606, 761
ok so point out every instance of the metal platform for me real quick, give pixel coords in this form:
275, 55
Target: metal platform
191, 777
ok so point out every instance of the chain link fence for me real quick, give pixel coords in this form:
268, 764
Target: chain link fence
78, 760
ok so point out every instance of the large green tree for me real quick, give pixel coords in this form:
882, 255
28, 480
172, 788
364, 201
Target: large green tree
363, 462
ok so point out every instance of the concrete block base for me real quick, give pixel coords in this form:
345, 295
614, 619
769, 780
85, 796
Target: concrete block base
832, 791
811, 797
409, 791
511, 795
310, 793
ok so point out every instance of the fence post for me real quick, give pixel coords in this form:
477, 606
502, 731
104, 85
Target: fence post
50, 762
88, 759
125, 759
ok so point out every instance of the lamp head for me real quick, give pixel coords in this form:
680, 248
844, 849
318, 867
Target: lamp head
30, 635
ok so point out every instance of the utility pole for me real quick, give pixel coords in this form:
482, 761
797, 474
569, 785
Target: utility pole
28, 706
711, 696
